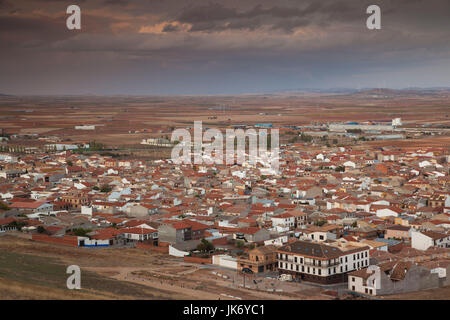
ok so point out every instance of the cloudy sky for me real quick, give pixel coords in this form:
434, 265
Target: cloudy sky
220, 46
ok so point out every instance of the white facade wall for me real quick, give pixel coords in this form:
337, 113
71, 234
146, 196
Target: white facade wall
343, 264
356, 284
420, 241
86, 210
225, 261
283, 222
177, 253
386, 213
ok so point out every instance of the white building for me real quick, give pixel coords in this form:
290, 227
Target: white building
284, 220
426, 239
85, 127
317, 262
225, 261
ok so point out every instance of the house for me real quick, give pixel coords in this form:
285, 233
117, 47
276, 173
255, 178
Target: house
398, 232
285, 221
32, 207
252, 234
319, 262
377, 245
397, 277
141, 234
260, 259
142, 210
389, 211
75, 199
322, 233
306, 192
426, 239
301, 218
5, 224
437, 200
197, 229
176, 232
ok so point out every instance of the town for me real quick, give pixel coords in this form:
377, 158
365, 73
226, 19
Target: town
338, 208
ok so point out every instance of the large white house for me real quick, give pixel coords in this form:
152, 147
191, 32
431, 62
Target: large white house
318, 262
426, 239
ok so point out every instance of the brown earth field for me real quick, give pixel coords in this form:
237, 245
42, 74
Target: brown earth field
126, 120
34, 270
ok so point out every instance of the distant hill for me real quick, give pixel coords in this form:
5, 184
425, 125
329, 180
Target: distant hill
409, 92
370, 92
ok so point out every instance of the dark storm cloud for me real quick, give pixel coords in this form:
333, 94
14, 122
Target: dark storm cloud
214, 16
170, 46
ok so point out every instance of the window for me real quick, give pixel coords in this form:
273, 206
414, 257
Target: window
295, 259
320, 272
301, 260
303, 268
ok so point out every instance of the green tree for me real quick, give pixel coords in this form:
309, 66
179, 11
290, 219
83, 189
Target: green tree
239, 243
205, 246
320, 223
4, 206
40, 229
105, 188
80, 232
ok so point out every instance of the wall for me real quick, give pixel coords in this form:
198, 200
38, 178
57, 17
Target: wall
167, 233
225, 261
66, 240
177, 253
198, 260
417, 278
420, 241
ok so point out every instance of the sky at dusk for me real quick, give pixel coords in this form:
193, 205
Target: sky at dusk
220, 47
